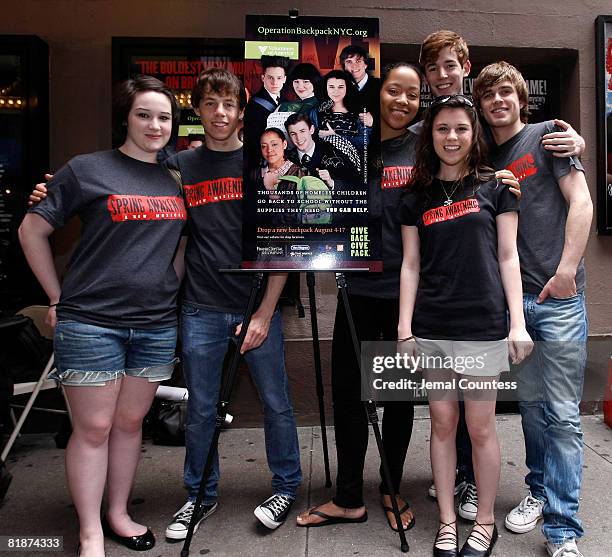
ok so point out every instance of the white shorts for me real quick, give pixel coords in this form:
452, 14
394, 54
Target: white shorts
480, 358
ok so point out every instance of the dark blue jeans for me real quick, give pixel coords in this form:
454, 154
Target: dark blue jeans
205, 336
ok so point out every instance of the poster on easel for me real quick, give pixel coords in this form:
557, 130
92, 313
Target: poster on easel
310, 140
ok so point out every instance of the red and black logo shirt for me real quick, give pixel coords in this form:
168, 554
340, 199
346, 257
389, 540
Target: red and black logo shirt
460, 295
132, 214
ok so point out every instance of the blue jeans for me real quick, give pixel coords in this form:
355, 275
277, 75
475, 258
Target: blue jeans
550, 388
205, 336
91, 355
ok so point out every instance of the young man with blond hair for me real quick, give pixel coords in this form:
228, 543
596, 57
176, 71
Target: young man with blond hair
554, 224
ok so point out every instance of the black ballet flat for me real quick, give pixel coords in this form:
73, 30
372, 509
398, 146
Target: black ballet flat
143, 542
482, 538
449, 536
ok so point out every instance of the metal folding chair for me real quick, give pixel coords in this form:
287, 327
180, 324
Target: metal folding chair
37, 314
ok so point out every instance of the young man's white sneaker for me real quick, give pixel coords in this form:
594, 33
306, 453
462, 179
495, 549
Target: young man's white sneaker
567, 549
177, 529
468, 502
273, 511
524, 517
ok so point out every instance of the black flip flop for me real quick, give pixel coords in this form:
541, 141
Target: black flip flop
332, 519
401, 511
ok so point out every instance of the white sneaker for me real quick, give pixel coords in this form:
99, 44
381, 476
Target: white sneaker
468, 502
459, 485
524, 517
177, 529
567, 549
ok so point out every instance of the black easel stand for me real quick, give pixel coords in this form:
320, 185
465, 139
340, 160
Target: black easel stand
222, 404
310, 281
370, 409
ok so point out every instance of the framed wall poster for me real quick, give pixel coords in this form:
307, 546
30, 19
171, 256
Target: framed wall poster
24, 156
176, 62
604, 123
306, 202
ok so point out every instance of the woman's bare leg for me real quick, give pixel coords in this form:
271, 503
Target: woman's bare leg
87, 458
124, 447
480, 419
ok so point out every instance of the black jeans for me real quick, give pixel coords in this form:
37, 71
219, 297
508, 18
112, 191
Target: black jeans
375, 319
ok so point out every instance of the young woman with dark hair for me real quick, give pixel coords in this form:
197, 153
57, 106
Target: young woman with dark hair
115, 314
460, 274
339, 109
275, 166
305, 81
374, 301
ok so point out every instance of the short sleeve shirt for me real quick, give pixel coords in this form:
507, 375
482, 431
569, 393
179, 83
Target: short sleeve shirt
132, 215
212, 182
541, 234
385, 192
460, 294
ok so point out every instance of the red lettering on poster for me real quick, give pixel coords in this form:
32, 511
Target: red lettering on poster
452, 211
213, 191
609, 62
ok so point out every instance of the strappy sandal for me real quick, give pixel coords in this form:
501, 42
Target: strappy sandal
481, 537
449, 536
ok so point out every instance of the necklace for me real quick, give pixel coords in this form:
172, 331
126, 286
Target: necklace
449, 196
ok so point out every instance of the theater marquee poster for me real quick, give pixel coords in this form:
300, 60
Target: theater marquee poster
309, 140
604, 123
177, 62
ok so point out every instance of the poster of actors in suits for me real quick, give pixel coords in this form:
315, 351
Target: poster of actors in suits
310, 139
603, 26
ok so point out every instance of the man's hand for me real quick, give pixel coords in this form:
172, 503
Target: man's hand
565, 143
257, 332
559, 286
39, 192
366, 119
508, 178
326, 177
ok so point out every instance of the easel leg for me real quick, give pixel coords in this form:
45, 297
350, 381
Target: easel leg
222, 405
370, 409
310, 281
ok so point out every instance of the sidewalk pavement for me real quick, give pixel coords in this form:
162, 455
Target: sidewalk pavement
38, 502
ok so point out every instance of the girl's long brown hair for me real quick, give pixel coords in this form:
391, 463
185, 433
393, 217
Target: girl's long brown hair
428, 163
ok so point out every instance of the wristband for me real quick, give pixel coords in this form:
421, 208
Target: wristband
53, 305
405, 339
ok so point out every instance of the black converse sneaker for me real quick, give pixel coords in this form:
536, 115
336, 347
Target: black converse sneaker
177, 529
273, 511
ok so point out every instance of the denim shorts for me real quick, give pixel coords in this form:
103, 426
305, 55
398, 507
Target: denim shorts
91, 355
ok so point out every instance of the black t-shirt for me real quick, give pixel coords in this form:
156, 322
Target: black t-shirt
213, 194
132, 214
460, 294
398, 157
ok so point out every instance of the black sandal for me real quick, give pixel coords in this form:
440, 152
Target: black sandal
449, 536
482, 538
